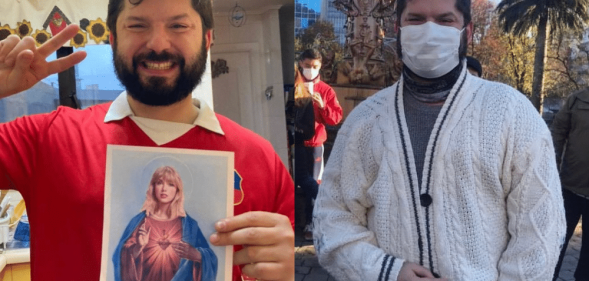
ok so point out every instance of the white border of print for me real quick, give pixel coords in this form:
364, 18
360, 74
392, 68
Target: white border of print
128, 172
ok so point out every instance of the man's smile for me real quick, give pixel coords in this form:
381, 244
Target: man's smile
158, 65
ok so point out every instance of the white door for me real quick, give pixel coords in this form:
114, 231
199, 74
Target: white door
234, 92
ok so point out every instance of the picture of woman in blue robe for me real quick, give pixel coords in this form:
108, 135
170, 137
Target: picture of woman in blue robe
163, 242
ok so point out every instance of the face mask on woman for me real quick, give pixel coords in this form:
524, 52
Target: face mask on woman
430, 50
310, 73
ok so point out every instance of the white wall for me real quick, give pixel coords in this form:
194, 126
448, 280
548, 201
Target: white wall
253, 55
204, 90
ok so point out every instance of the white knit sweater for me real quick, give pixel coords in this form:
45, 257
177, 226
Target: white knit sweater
496, 211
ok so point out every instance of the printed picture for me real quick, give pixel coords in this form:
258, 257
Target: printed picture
160, 208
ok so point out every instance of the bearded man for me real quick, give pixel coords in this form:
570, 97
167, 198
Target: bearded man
159, 52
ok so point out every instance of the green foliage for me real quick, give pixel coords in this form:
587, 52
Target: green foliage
505, 58
518, 69
519, 17
320, 36
566, 64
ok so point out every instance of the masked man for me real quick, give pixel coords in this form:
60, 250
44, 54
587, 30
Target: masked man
443, 175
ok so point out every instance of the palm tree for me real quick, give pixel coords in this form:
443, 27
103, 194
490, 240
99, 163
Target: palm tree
519, 17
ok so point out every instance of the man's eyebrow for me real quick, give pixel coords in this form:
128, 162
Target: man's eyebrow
178, 17
414, 15
136, 18
448, 14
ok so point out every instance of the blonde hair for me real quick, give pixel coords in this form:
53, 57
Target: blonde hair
301, 93
151, 204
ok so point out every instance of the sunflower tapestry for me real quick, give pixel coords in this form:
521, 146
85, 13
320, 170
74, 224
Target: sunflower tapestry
43, 19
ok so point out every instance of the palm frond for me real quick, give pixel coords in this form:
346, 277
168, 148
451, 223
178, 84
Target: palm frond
519, 16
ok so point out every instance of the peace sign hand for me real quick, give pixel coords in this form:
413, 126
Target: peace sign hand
22, 64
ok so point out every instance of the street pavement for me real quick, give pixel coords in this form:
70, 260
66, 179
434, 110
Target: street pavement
307, 267
571, 258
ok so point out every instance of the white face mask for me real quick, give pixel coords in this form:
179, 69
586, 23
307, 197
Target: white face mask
430, 50
310, 73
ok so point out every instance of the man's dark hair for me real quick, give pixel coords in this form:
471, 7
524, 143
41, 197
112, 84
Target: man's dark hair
310, 54
203, 7
462, 6
474, 64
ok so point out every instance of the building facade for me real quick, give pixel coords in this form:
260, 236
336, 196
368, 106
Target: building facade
337, 18
305, 16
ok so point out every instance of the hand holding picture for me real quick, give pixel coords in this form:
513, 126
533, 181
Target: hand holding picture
317, 99
268, 244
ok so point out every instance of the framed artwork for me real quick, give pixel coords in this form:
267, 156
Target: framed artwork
160, 208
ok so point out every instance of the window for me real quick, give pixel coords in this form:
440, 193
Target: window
96, 82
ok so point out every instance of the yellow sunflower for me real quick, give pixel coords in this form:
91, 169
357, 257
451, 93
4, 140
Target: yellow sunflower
41, 36
5, 31
98, 30
79, 39
24, 28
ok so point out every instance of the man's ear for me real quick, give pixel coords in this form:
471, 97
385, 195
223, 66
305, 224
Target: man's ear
469, 30
111, 39
209, 38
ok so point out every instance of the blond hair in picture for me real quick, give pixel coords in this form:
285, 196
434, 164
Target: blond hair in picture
151, 204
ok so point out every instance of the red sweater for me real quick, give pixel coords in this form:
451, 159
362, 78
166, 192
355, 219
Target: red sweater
58, 160
331, 114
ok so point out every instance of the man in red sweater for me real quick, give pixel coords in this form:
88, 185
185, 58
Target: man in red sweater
327, 112
58, 160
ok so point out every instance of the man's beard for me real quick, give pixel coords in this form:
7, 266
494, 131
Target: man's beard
156, 91
461, 50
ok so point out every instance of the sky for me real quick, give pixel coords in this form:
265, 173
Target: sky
97, 68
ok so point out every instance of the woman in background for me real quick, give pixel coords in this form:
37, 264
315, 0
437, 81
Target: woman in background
304, 129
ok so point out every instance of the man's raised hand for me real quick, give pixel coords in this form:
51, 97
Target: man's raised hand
22, 64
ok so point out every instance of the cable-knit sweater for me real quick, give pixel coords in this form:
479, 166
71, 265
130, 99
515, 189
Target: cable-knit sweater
489, 206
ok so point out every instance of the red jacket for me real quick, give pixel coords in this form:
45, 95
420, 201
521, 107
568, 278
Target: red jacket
331, 114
